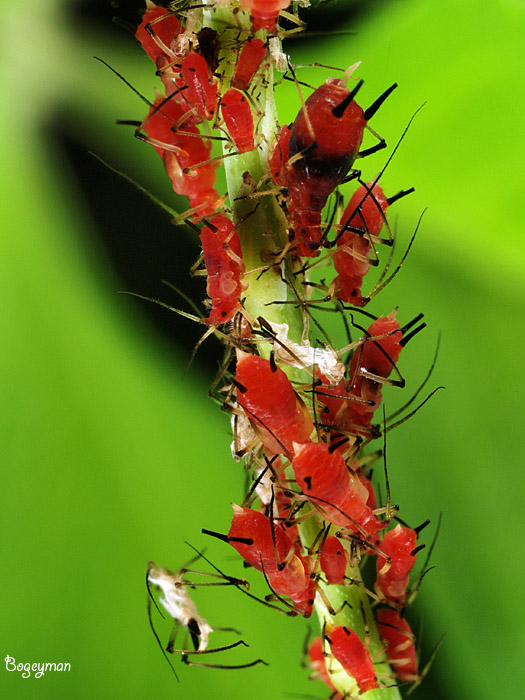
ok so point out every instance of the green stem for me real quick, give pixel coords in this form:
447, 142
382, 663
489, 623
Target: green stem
262, 228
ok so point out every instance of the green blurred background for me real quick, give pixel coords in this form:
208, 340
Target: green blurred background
111, 458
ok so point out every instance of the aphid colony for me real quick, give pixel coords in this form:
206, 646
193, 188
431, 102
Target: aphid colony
301, 415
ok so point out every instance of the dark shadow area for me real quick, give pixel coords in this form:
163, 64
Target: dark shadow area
143, 247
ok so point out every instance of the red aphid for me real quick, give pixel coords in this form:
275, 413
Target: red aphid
163, 31
400, 644
180, 152
318, 663
264, 13
332, 488
377, 356
201, 87
251, 56
366, 211
267, 548
353, 656
237, 115
222, 254
279, 156
333, 560
327, 133
268, 399
392, 577
379, 353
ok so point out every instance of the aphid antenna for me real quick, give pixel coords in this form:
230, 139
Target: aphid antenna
303, 109
183, 295
388, 512
148, 194
426, 569
421, 386
123, 79
427, 666
381, 284
387, 428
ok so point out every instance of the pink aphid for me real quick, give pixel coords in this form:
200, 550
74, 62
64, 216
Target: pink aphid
157, 41
268, 399
392, 576
353, 656
267, 548
365, 211
201, 87
333, 560
221, 249
250, 58
264, 13
400, 644
237, 115
333, 490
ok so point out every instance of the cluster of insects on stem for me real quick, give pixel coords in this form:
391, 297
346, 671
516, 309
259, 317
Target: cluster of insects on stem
303, 414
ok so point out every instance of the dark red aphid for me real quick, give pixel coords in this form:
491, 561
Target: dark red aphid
237, 115
222, 254
392, 576
268, 399
250, 58
267, 548
400, 644
365, 211
324, 143
353, 656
